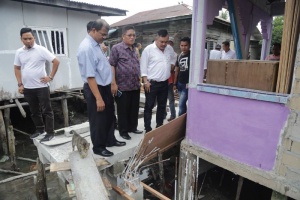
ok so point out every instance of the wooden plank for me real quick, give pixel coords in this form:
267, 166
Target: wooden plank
86, 177
122, 193
62, 166
252, 75
163, 136
154, 192
216, 72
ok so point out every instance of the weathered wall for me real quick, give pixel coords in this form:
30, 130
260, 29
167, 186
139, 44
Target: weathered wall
178, 29
289, 160
14, 16
244, 130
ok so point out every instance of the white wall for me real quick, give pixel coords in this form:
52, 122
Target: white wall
14, 16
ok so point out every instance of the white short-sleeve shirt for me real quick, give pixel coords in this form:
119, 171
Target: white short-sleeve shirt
229, 55
32, 62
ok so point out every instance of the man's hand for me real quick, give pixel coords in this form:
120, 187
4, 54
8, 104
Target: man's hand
147, 86
114, 89
21, 89
174, 87
100, 105
45, 79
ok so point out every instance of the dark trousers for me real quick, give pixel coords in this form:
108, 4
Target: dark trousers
128, 111
159, 91
101, 123
40, 108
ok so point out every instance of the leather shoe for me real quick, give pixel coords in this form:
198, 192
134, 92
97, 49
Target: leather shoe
47, 138
136, 131
126, 136
170, 119
117, 144
103, 152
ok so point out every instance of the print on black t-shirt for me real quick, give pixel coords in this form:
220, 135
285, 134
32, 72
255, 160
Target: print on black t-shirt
183, 62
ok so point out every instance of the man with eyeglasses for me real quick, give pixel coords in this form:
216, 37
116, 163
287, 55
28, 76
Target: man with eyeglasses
126, 82
97, 76
156, 64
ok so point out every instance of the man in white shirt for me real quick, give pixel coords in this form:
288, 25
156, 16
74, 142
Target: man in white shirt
156, 61
215, 54
33, 82
227, 54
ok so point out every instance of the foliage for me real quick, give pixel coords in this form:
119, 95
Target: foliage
277, 29
224, 14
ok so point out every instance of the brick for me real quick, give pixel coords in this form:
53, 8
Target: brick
297, 72
287, 144
296, 86
294, 103
282, 170
292, 174
291, 160
295, 148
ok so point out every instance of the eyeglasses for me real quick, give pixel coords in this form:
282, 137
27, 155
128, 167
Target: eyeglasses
131, 35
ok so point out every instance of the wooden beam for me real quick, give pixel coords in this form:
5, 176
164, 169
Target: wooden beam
122, 193
154, 192
3, 138
63, 166
41, 185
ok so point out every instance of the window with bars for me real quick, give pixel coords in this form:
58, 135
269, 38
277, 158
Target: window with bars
52, 39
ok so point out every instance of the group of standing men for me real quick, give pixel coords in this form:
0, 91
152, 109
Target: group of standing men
118, 78
106, 80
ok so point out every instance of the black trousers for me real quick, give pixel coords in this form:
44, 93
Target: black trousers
101, 123
128, 111
159, 91
40, 108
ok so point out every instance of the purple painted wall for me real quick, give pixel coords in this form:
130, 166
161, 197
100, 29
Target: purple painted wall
244, 130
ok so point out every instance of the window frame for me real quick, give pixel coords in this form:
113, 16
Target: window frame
43, 36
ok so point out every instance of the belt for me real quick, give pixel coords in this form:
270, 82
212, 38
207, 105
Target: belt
154, 81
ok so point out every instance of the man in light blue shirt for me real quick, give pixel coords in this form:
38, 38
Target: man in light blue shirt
96, 74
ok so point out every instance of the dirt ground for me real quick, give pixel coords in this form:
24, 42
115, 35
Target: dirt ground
213, 188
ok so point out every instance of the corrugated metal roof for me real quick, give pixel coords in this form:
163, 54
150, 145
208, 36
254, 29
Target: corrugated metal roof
80, 6
157, 14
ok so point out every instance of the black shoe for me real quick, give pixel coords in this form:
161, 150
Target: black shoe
125, 136
37, 134
136, 131
47, 137
170, 119
103, 152
117, 144
148, 130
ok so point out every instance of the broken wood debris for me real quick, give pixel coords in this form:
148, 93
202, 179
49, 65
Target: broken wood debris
154, 192
63, 166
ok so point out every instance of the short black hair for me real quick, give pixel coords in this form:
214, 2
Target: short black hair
162, 33
277, 44
26, 30
186, 39
89, 26
99, 23
226, 43
126, 28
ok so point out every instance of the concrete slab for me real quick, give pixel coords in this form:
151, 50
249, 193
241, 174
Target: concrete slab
86, 178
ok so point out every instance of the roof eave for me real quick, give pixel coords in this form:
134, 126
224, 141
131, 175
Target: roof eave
71, 5
156, 21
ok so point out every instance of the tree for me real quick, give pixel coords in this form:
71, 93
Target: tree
277, 29
224, 14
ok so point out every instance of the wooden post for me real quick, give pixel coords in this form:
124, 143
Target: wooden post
239, 188
3, 139
64, 105
161, 172
278, 196
22, 111
41, 186
11, 144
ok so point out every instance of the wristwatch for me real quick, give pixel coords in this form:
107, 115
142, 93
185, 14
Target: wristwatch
20, 84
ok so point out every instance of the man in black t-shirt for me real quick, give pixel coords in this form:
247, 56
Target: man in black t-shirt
181, 79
